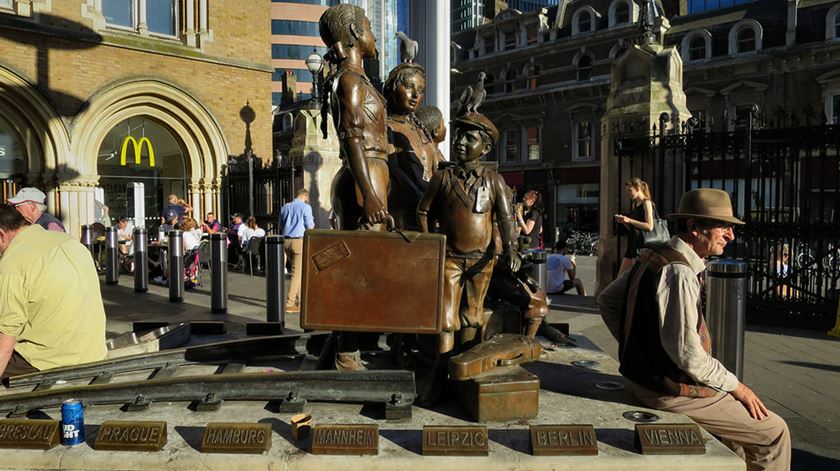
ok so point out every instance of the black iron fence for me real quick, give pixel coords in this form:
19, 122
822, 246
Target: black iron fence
252, 188
784, 178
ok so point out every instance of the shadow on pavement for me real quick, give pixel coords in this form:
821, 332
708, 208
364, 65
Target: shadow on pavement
816, 366
802, 460
792, 332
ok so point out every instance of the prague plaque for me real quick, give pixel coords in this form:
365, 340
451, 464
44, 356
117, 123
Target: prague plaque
131, 435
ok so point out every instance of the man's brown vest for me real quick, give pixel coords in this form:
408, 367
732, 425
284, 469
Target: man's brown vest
642, 357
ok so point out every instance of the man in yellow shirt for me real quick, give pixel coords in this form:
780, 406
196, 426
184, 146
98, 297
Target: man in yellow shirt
51, 311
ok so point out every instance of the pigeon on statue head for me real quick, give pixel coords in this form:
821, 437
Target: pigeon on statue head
408, 48
472, 96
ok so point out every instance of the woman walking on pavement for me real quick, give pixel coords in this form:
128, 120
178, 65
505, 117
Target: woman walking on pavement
640, 219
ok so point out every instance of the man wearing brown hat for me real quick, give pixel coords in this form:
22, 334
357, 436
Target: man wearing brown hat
464, 198
654, 311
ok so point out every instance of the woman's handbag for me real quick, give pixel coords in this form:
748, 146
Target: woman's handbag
659, 234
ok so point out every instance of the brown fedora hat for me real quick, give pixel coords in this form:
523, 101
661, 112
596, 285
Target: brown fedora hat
706, 203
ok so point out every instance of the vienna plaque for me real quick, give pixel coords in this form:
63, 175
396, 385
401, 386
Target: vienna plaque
670, 439
131, 435
236, 437
28, 433
357, 439
563, 440
461, 441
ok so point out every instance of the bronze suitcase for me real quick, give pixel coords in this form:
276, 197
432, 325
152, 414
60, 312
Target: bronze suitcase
365, 281
499, 351
510, 393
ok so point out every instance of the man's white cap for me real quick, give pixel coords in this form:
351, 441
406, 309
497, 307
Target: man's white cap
29, 194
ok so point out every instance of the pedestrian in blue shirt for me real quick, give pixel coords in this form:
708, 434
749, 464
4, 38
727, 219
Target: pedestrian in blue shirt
295, 218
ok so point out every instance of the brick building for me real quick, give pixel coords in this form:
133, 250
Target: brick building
85, 81
548, 79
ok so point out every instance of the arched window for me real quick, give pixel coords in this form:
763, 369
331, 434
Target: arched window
746, 40
621, 15
745, 37
584, 22
832, 23
584, 68
697, 49
696, 46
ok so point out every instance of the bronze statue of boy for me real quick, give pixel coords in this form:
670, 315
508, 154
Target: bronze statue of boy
463, 199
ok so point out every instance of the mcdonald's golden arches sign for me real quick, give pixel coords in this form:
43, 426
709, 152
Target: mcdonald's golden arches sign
137, 145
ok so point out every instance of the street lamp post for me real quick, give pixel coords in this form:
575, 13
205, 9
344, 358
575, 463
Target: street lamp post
315, 63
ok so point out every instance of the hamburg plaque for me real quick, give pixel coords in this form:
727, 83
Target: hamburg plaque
236, 437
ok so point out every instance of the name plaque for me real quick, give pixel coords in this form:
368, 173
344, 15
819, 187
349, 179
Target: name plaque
548, 440
31, 434
470, 440
356, 439
131, 435
236, 437
670, 439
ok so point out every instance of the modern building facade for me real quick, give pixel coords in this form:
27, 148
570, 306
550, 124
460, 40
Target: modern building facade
98, 97
294, 36
548, 79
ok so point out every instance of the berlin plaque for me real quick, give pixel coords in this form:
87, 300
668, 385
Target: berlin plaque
563, 440
357, 439
236, 437
461, 441
28, 433
131, 435
670, 439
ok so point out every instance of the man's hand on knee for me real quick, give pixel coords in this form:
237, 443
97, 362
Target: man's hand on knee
753, 404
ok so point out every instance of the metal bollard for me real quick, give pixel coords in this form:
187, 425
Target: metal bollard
112, 257
87, 240
218, 273
176, 266
539, 270
141, 260
726, 307
275, 280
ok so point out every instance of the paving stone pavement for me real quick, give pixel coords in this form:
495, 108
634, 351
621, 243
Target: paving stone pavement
796, 372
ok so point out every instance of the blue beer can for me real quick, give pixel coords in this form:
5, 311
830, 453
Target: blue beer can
72, 423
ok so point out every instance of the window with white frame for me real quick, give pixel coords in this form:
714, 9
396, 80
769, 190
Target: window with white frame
156, 16
745, 37
534, 136
582, 139
584, 68
746, 40
619, 13
584, 20
510, 40
697, 49
511, 146
832, 23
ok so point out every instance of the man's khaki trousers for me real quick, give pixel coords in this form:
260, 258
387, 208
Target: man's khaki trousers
294, 252
763, 444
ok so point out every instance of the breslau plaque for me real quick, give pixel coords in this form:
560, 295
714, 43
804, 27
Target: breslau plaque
236, 437
563, 440
131, 435
29, 434
670, 439
356, 439
468, 440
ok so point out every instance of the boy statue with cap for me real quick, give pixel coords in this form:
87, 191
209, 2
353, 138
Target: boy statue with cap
463, 199
655, 311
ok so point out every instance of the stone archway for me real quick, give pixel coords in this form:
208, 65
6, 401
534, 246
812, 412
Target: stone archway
42, 132
205, 146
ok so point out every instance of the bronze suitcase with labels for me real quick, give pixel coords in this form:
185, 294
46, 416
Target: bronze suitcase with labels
365, 281
509, 393
499, 351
